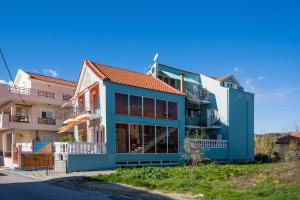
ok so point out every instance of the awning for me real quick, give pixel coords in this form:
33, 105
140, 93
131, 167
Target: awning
72, 124
177, 77
68, 121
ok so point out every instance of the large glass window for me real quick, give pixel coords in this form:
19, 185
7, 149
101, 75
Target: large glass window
161, 139
122, 140
149, 139
161, 109
136, 138
172, 110
121, 103
135, 105
172, 140
149, 107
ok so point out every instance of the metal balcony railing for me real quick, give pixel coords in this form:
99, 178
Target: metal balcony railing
197, 121
201, 94
18, 118
47, 121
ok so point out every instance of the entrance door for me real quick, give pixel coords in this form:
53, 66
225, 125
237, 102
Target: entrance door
7, 145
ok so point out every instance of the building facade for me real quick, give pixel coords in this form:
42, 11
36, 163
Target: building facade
143, 119
217, 109
137, 118
30, 110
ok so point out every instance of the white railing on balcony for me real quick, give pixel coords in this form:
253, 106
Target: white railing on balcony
207, 144
65, 148
18, 90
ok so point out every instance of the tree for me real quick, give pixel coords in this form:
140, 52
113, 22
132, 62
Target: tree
291, 152
266, 145
193, 148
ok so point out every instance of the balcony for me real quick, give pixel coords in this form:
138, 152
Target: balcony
47, 121
88, 107
198, 122
19, 118
200, 95
11, 93
207, 144
18, 90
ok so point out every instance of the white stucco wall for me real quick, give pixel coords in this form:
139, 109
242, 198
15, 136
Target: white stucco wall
221, 97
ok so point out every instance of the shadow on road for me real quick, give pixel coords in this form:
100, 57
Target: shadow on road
74, 188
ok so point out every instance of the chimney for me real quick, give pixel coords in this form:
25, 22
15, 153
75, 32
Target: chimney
182, 83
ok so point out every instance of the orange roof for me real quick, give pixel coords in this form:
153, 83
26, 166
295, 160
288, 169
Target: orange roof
223, 78
131, 78
289, 137
51, 79
296, 134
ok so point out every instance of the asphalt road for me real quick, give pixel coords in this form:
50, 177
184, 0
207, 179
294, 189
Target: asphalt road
15, 187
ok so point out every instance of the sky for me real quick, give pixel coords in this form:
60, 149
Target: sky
256, 41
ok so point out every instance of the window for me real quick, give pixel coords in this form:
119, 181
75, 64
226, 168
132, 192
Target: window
66, 97
121, 103
94, 96
46, 94
173, 83
166, 80
172, 140
161, 139
172, 110
143, 106
135, 105
148, 107
161, 109
149, 139
161, 77
136, 138
81, 104
122, 142
47, 115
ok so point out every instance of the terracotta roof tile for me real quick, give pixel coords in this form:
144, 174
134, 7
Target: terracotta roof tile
51, 79
296, 134
289, 137
131, 78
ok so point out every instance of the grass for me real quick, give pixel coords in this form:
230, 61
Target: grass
230, 181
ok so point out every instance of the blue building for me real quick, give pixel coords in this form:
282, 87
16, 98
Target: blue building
125, 118
218, 108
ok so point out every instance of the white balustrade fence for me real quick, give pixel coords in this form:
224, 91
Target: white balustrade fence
65, 148
207, 144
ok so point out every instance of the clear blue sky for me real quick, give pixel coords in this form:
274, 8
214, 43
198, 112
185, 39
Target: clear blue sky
257, 41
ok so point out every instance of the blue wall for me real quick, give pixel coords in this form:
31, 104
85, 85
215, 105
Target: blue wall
112, 118
241, 125
89, 162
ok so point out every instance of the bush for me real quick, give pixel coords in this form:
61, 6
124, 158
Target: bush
262, 158
67, 138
